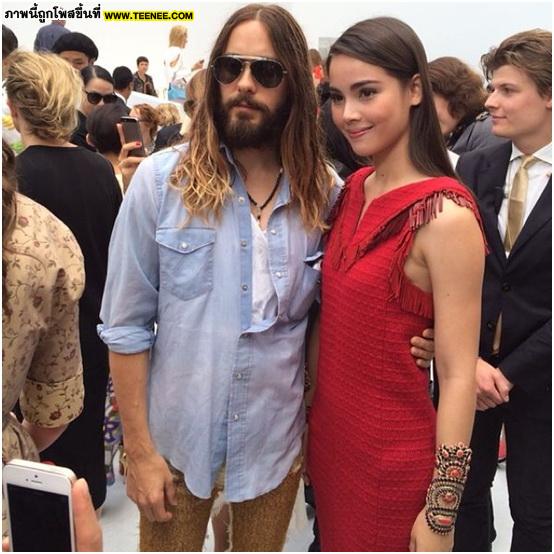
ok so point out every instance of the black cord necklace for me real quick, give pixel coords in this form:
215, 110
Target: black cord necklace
260, 207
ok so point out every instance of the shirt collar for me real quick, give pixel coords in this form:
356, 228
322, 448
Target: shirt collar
543, 154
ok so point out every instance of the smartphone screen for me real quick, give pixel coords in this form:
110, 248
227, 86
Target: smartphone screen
39, 520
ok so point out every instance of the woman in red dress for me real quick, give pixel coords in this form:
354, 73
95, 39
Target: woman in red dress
405, 252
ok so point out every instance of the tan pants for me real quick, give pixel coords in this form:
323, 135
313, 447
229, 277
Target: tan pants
257, 525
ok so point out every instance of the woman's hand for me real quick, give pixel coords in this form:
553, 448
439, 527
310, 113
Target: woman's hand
423, 539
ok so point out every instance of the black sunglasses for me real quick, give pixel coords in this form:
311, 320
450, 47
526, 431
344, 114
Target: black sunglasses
95, 98
267, 72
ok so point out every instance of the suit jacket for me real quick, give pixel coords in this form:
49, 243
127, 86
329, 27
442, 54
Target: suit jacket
520, 286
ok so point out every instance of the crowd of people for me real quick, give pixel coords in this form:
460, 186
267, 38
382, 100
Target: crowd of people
252, 300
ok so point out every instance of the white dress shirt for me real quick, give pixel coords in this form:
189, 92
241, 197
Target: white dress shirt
538, 173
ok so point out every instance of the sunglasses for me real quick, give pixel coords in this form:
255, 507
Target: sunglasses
267, 72
95, 98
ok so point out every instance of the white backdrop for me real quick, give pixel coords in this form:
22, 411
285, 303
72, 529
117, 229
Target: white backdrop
465, 29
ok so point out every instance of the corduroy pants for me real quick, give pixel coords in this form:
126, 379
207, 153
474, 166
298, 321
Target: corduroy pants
257, 525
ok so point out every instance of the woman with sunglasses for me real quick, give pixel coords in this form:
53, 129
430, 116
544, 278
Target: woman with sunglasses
405, 252
79, 187
98, 90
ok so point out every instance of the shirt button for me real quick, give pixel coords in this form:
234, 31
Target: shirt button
184, 245
235, 417
241, 199
238, 376
506, 287
243, 243
273, 232
490, 325
278, 274
244, 287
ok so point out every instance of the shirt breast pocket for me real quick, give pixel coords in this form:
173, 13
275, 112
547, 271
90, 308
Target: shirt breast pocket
186, 261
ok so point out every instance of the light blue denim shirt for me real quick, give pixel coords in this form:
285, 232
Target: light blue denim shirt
221, 390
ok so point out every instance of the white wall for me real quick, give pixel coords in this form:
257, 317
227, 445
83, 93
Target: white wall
465, 29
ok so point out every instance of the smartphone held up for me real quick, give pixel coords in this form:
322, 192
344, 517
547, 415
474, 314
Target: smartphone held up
39, 507
132, 133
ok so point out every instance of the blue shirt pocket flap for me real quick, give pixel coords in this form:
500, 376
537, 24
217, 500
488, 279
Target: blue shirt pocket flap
185, 240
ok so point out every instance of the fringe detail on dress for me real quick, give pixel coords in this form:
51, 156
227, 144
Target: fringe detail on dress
419, 213
409, 296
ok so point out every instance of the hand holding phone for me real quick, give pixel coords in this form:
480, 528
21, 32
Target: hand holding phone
39, 507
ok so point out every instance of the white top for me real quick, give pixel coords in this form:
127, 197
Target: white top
178, 69
538, 172
264, 297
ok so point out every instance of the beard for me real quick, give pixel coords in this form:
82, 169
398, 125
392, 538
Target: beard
241, 132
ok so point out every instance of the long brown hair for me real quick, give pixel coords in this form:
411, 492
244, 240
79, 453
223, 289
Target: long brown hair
203, 173
394, 46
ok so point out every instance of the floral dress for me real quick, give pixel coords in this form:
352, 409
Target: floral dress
41, 356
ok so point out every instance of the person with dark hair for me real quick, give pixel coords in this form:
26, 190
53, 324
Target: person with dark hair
141, 81
103, 135
459, 97
217, 244
405, 252
77, 49
98, 90
49, 34
513, 185
9, 133
78, 187
122, 83
9, 42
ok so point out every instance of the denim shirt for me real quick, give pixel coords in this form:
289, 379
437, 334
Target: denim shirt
221, 389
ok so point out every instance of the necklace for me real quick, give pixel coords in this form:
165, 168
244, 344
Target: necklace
260, 207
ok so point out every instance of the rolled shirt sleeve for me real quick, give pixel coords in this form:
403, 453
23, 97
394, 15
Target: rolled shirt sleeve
130, 300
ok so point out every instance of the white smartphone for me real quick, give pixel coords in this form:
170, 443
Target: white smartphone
39, 507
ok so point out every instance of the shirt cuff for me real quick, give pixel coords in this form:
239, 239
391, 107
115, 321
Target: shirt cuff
52, 404
126, 340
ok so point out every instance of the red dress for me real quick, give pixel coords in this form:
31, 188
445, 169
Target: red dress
372, 424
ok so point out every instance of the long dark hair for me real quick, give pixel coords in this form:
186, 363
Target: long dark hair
389, 43
203, 175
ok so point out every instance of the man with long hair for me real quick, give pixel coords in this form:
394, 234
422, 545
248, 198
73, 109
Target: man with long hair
218, 244
214, 265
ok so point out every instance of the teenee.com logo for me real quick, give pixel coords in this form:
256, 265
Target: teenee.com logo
148, 15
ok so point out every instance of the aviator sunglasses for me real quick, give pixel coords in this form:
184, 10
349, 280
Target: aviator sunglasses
95, 98
267, 72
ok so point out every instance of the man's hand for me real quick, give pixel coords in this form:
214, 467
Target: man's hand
493, 388
150, 486
423, 348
